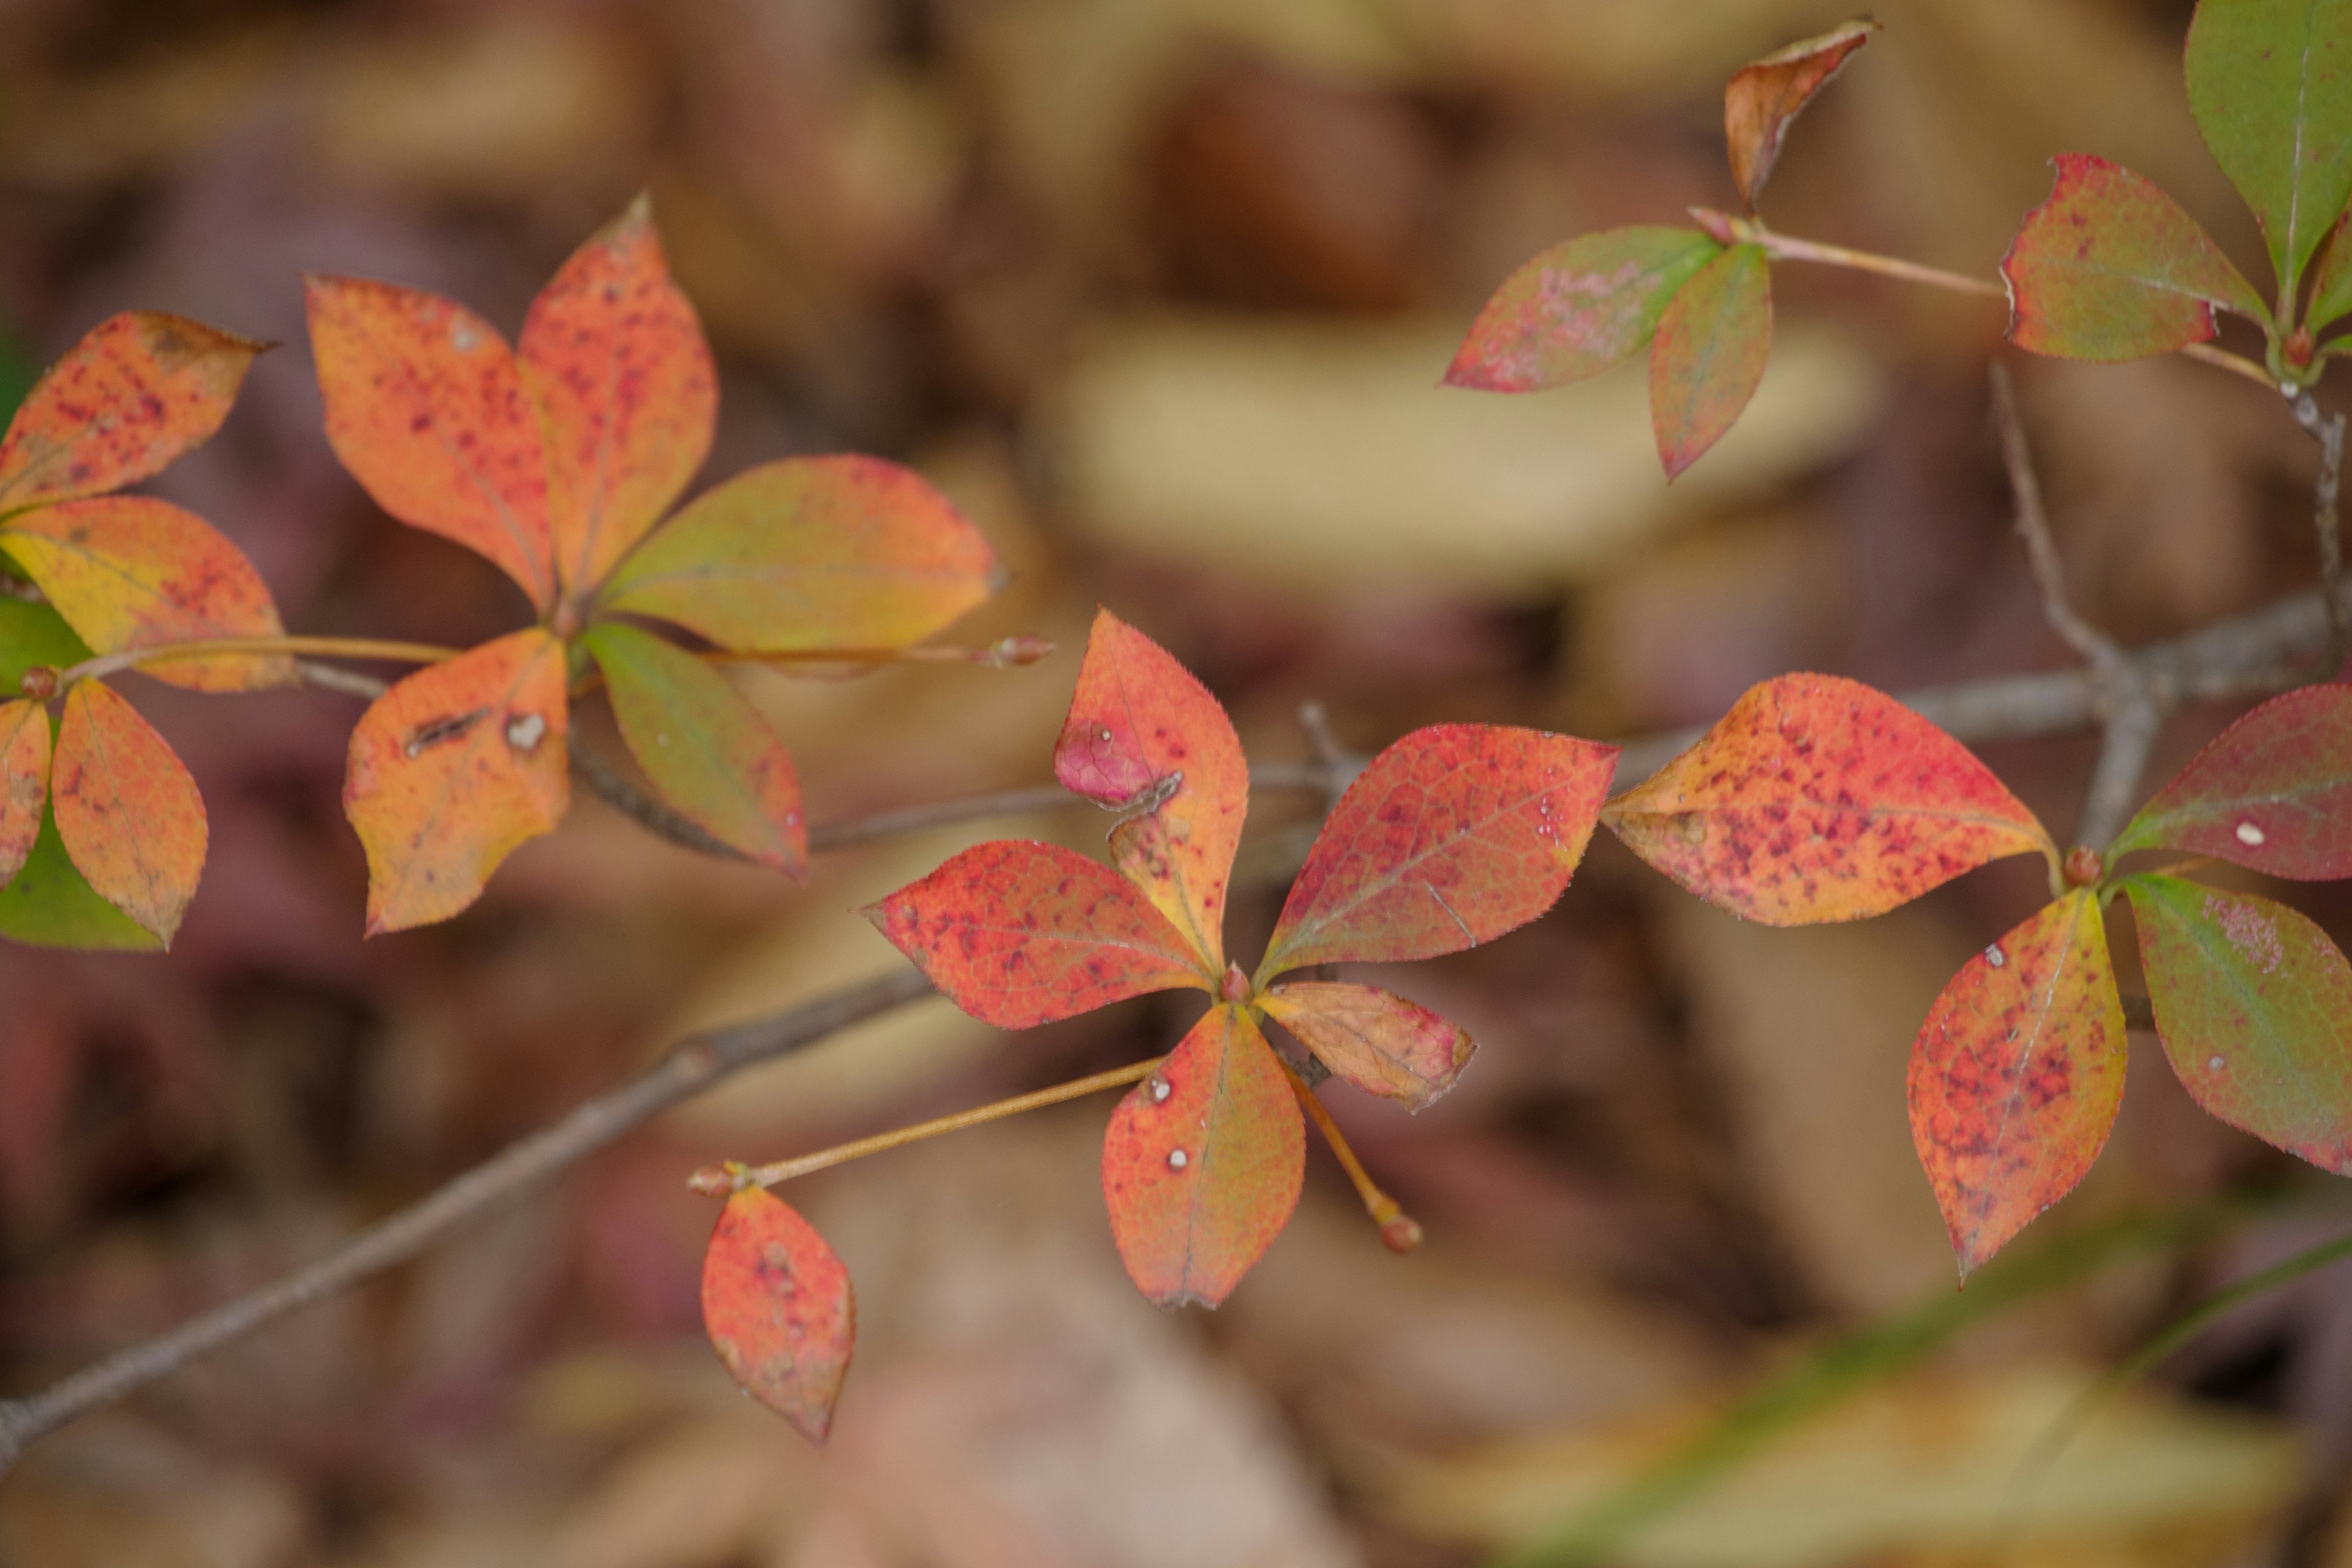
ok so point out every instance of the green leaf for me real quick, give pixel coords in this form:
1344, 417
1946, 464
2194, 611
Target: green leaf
1577, 308
2271, 84
709, 753
2273, 792
2331, 289
33, 634
50, 904
2253, 1004
1712, 342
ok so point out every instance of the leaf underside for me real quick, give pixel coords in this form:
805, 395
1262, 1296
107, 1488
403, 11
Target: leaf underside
1763, 97
777, 1303
1375, 1040
24, 781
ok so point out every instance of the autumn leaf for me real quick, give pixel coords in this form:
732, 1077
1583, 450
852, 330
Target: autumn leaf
453, 769
778, 1306
1577, 308
1203, 1163
1375, 1040
2331, 286
2018, 1074
1765, 96
2273, 792
1713, 340
137, 392
127, 811
24, 781
2270, 82
2253, 1004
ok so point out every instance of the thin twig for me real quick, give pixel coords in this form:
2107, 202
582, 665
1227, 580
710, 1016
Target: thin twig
2034, 527
2328, 431
2134, 721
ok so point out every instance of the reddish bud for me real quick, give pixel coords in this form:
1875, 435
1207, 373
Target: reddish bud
713, 1181
1402, 1234
39, 682
1238, 985
2084, 867
2297, 348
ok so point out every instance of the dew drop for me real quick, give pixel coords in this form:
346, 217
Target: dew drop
1103, 733
2215, 1063
1159, 1090
1994, 956
2249, 834
524, 730
1178, 1159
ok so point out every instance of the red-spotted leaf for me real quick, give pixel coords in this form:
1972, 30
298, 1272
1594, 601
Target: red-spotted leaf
709, 753
2273, 792
616, 359
129, 572
1203, 1163
777, 1304
452, 770
1019, 933
2253, 1004
1763, 98
426, 406
1817, 798
2331, 286
1140, 728
1708, 355
2111, 268
1375, 1040
811, 553
2017, 1075
127, 810
139, 390
1577, 308
24, 781
2271, 84
1452, 836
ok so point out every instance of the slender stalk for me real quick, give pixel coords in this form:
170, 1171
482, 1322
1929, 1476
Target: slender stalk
1004, 653
1400, 1232
208, 648
1786, 247
2236, 364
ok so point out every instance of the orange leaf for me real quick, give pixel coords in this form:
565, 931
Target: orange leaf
24, 781
1140, 725
616, 359
1708, 355
139, 389
2017, 1075
129, 815
1203, 1163
1452, 836
426, 406
1765, 96
1817, 798
777, 1303
451, 770
127, 572
1020, 934
1375, 1040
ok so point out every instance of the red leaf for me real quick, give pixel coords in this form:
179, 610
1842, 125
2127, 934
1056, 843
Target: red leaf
2017, 1075
1452, 836
1577, 308
778, 1309
2273, 792
139, 389
1708, 355
1019, 933
1375, 1040
1764, 97
1139, 723
24, 781
1817, 798
129, 815
1203, 1163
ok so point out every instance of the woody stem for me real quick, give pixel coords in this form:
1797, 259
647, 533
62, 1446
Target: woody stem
207, 648
1399, 1229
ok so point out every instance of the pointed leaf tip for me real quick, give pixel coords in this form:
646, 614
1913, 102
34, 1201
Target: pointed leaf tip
1714, 339
1766, 95
777, 1304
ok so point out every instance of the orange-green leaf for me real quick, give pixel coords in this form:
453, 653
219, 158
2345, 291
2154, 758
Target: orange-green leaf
811, 553
1203, 1162
2253, 1004
33, 634
130, 571
2331, 289
452, 770
1375, 1040
1579, 308
777, 1303
709, 753
139, 389
426, 406
24, 781
2271, 84
1764, 97
2111, 268
51, 904
127, 810
1713, 340
1019, 933
616, 359
2017, 1075
1452, 836
1817, 798
1143, 729
2273, 792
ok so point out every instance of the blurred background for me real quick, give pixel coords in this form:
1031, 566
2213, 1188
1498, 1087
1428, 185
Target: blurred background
1160, 290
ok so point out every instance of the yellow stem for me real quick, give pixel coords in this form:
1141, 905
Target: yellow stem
1007, 652
1399, 1230
2236, 363
325, 647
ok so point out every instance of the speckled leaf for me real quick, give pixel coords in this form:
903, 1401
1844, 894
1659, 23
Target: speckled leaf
2253, 1004
1577, 308
1375, 1040
2017, 1076
1019, 933
51, 904
127, 810
33, 634
452, 770
1140, 724
24, 781
778, 1306
2111, 268
809, 554
1203, 1163
139, 389
1817, 798
130, 571
1764, 97
616, 359
2271, 84
1708, 356
2331, 288
1453, 835
709, 753
426, 406
2273, 792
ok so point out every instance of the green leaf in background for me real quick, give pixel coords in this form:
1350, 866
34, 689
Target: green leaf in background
50, 905
1577, 308
2331, 289
1708, 355
2271, 84
33, 634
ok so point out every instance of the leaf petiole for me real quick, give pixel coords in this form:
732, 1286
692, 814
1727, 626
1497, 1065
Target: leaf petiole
1400, 1232
210, 647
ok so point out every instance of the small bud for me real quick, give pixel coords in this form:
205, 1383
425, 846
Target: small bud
1011, 652
2296, 350
2084, 867
39, 682
714, 1180
1402, 1234
1238, 985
